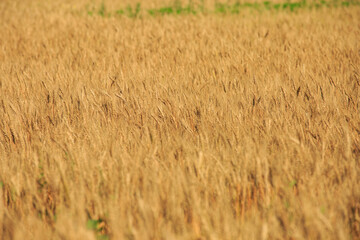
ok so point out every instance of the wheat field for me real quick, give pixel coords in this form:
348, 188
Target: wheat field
209, 126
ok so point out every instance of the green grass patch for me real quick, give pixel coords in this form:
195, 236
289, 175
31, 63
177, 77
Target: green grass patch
177, 8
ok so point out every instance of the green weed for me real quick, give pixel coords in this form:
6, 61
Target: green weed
133, 12
178, 8
293, 183
98, 226
102, 10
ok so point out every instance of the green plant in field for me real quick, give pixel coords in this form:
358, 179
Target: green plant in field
90, 10
152, 12
177, 8
161, 11
323, 209
166, 10
133, 12
219, 8
98, 226
102, 10
120, 12
201, 7
267, 5
277, 6
293, 183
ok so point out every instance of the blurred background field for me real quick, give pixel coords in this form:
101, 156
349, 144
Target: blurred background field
214, 125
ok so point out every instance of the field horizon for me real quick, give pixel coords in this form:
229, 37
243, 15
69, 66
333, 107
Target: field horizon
179, 126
